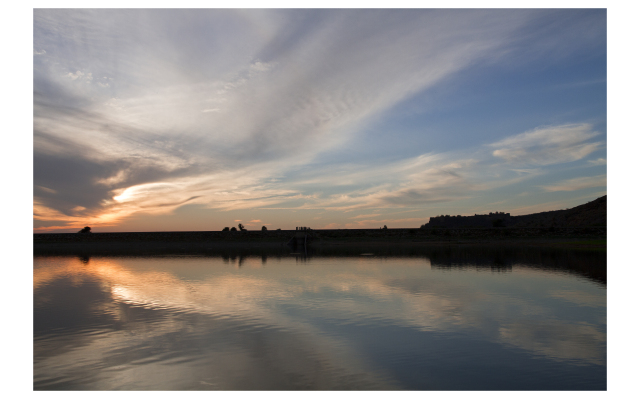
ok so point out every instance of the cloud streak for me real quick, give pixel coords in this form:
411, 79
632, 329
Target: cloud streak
142, 111
548, 145
570, 185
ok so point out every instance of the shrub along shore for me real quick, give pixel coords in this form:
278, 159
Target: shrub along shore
587, 236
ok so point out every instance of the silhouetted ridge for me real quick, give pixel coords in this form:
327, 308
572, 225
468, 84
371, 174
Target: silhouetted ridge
590, 214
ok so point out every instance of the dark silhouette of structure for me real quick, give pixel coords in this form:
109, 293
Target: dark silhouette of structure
590, 214
86, 229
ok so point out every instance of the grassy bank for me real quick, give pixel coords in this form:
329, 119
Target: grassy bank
180, 242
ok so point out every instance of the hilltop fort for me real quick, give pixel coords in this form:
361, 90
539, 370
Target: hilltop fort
590, 214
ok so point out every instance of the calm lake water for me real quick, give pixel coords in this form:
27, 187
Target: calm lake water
360, 318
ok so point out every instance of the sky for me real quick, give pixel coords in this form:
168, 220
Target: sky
179, 120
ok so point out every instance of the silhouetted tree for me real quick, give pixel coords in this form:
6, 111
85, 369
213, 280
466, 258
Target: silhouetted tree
385, 227
225, 229
86, 229
264, 228
241, 227
233, 229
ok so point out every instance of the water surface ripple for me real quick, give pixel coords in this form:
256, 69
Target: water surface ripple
431, 321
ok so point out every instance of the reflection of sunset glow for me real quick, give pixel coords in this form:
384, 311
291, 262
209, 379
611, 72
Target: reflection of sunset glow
438, 303
225, 294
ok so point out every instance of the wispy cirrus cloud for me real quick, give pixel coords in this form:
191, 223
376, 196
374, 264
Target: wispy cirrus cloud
599, 161
364, 216
414, 182
570, 185
548, 145
142, 111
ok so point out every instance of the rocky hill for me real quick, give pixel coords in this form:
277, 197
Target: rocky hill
593, 213
590, 214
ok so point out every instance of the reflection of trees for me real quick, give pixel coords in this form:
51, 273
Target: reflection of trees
588, 263
591, 264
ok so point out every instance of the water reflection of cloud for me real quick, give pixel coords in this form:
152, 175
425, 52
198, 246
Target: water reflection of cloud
246, 331
581, 343
229, 358
580, 298
408, 294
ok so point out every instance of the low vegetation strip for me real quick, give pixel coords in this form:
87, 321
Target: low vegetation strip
324, 235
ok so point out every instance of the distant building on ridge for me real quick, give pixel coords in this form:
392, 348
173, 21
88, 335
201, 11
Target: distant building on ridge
492, 219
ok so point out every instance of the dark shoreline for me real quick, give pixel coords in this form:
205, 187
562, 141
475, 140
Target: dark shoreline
585, 257
578, 238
